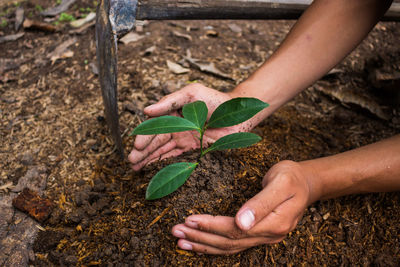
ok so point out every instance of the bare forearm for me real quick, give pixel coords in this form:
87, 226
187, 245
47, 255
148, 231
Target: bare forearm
372, 168
322, 37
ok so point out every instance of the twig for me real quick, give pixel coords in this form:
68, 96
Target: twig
165, 211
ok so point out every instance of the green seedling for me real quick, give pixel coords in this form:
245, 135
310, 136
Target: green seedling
229, 113
3, 23
65, 17
39, 8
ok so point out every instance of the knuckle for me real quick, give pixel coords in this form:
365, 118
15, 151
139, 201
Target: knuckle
205, 225
193, 89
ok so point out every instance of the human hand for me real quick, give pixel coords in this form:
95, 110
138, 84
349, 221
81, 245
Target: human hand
157, 147
266, 218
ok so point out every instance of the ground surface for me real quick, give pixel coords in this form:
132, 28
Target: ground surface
52, 116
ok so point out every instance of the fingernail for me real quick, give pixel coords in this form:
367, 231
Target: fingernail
186, 246
246, 219
192, 224
179, 234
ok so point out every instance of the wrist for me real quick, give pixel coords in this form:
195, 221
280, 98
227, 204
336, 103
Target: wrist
243, 89
254, 88
314, 180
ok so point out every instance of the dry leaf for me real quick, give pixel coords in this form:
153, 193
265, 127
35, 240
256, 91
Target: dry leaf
347, 97
54, 11
176, 68
149, 50
11, 37
62, 50
80, 22
334, 71
131, 37
6, 186
206, 67
182, 35
235, 28
38, 25
82, 29
94, 68
212, 33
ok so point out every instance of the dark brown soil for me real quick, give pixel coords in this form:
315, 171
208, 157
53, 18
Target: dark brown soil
51, 113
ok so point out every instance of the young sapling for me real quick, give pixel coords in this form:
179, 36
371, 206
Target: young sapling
229, 113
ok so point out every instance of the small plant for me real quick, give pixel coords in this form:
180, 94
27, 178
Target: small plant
39, 8
229, 113
3, 23
65, 17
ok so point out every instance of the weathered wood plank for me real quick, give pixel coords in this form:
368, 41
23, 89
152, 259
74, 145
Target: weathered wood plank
232, 9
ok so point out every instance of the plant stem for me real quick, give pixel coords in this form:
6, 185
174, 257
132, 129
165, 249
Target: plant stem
201, 143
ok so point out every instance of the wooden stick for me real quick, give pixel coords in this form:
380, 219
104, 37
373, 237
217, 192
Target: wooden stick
231, 9
165, 211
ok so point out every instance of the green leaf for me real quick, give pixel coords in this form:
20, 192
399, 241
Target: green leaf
235, 111
169, 179
236, 140
196, 112
164, 124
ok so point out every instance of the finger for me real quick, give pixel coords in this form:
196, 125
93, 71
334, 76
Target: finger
168, 104
173, 153
201, 248
263, 203
221, 225
282, 220
142, 141
158, 141
217, 241
156, 155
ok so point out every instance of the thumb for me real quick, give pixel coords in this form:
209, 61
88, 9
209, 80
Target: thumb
258, 207
168, 104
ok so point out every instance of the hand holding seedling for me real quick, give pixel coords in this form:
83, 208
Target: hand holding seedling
229, 113
149, 148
